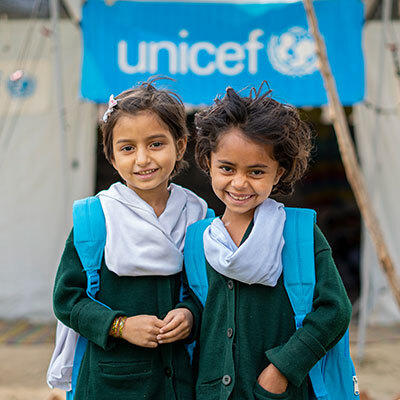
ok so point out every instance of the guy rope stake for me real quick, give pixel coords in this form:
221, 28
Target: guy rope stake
348, 155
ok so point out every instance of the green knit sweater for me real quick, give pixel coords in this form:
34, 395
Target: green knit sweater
246, 327
114, 368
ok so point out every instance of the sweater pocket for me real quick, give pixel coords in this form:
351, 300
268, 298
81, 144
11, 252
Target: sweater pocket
126, 380
125, 369
208, 390
261, 394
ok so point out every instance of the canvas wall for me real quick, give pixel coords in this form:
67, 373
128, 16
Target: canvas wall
37, 189
377, 122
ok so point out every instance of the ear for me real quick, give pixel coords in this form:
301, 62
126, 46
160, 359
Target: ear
113, 163
181, 147
208, 164
279, 174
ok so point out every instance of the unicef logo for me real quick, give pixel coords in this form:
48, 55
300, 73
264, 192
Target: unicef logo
21, 88
293, 52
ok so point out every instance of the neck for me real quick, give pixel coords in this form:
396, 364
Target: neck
236, 224
156, 198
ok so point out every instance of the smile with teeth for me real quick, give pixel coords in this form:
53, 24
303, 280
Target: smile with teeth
147, 172
240, 197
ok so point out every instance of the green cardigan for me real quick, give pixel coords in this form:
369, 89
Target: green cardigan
246, 327
114, 368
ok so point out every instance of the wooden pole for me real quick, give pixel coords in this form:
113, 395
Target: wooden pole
348, 154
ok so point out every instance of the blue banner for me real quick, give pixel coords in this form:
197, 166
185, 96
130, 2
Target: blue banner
209, 46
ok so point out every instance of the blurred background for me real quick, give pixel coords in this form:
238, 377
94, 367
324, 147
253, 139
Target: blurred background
60, 61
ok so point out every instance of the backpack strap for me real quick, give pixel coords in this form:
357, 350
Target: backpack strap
195, 260
183, 291
298, 260
210, 213
299, 275
90, 239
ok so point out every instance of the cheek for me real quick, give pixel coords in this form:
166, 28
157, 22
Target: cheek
169, 160
218, 182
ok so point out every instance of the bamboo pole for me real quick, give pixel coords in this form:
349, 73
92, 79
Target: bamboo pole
348, 154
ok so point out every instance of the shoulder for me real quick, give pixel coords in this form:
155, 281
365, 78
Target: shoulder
70, 238
309, 216
115, 191
200, 225
195, 232
191, 196
320, 242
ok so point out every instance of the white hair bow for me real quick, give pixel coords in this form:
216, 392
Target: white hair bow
111, 105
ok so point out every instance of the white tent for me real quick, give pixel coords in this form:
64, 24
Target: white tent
377, 122
37, 189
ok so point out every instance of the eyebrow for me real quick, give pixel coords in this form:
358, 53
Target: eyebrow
152, 137
248, 166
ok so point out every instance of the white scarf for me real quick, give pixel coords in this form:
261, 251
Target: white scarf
259, 258
138, 243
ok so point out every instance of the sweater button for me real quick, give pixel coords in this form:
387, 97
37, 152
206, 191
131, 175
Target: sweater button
226, 380
230, 284
229, 332
168, 371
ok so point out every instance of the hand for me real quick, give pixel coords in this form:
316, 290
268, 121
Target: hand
142, 330
178, 325
272, 380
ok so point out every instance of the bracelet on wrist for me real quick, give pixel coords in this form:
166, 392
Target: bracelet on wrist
117, 326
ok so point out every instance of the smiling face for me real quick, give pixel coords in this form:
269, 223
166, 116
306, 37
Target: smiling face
145, 153
243, 173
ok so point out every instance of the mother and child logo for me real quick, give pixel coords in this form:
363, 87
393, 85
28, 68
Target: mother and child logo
290, 53
20, 85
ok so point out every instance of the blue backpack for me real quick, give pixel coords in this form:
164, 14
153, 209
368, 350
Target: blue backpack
333, 377
89, 241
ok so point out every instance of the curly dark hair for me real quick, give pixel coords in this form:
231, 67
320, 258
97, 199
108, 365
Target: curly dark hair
167, 105
263, 120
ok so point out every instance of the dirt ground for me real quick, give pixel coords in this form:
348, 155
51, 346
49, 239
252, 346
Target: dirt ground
23, 368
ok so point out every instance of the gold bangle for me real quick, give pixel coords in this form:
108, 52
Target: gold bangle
114, 327
121, 325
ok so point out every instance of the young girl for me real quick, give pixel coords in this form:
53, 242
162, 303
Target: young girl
253, 147
144, 138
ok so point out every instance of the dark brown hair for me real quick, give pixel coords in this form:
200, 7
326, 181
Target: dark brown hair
263, 120
165, 104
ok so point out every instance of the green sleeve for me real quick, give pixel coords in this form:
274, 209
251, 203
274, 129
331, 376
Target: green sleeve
73, 307
191, 302
323, 327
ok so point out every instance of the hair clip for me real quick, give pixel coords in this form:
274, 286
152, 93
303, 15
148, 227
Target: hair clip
111, 105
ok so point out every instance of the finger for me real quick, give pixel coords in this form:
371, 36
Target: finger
152, 332
175, 333
169, 317
158, 323
151, 344
175, 322
174, 337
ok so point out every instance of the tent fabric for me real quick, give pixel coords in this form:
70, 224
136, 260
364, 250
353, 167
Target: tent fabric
377, 122
36, 200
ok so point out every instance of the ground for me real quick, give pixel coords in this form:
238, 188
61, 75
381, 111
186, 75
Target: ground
24, 361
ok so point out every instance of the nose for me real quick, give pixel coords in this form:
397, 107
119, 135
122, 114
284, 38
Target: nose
142, 157
239, 181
